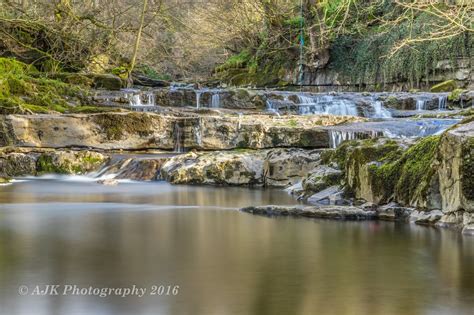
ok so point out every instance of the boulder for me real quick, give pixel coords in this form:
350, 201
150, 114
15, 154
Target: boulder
17, 164
216, 168
106, 81
456, 170
446, 86
426, 217
286, 167
320, 178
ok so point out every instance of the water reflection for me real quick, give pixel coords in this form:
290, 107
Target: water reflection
225, 262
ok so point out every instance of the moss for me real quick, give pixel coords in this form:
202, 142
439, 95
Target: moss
24, 90
45, 165
416, 169
406, 176
454, 96
118, 125
91, 109
4, 180
467, 170
446, 86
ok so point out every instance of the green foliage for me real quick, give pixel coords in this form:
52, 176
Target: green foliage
235, 62
23, 90
455, 95
368, 57
151, 73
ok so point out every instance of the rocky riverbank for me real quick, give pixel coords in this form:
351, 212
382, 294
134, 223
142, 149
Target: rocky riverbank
426, 180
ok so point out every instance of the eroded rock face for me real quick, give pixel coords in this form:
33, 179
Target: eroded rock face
17, 164
287, 166
321, 177
456, 171
217, 168
113, 131
274, 167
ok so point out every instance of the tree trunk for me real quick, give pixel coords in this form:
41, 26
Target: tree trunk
137, 44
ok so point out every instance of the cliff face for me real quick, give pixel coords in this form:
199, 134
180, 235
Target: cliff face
329, 78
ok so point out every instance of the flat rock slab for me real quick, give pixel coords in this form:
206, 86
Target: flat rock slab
324, 212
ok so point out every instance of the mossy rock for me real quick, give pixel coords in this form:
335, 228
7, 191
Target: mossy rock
116, 126
446, 86
106, 81
455, 96
4, 180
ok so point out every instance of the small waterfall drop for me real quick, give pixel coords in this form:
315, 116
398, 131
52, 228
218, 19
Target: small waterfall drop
198, 99
197, 132
178, 135
239, 124
272, 108
336, 137
215, 100
420, 104
326, 104
442, 102
380, 111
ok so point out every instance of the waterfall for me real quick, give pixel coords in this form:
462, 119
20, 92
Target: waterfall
380, 111
420, 104
239, 125
151, 99
272, 108
336, 137
136, 100
215, 100
197, 132
442, 101
326, 104
178, 138
198, 99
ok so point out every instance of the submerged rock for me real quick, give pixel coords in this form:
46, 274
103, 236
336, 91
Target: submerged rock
108, 182
324, 212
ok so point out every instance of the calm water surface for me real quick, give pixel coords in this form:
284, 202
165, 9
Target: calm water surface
72, 231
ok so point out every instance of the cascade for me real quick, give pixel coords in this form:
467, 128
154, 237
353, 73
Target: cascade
336, 137
239, 125
178, 138
442, 101
215, 100
198, 99
420, 104
326, 104
380, 111
197, 132
272, 108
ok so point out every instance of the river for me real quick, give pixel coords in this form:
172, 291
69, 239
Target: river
71, 230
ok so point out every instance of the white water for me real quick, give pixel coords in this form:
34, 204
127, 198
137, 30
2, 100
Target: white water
136, 102
380, 111
198, 99
336, 137
326, 104
420, 104
178, 141
215, 101
239, 125
442, 101
272, 108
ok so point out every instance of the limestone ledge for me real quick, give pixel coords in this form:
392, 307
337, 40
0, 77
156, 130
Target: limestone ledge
135, 131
